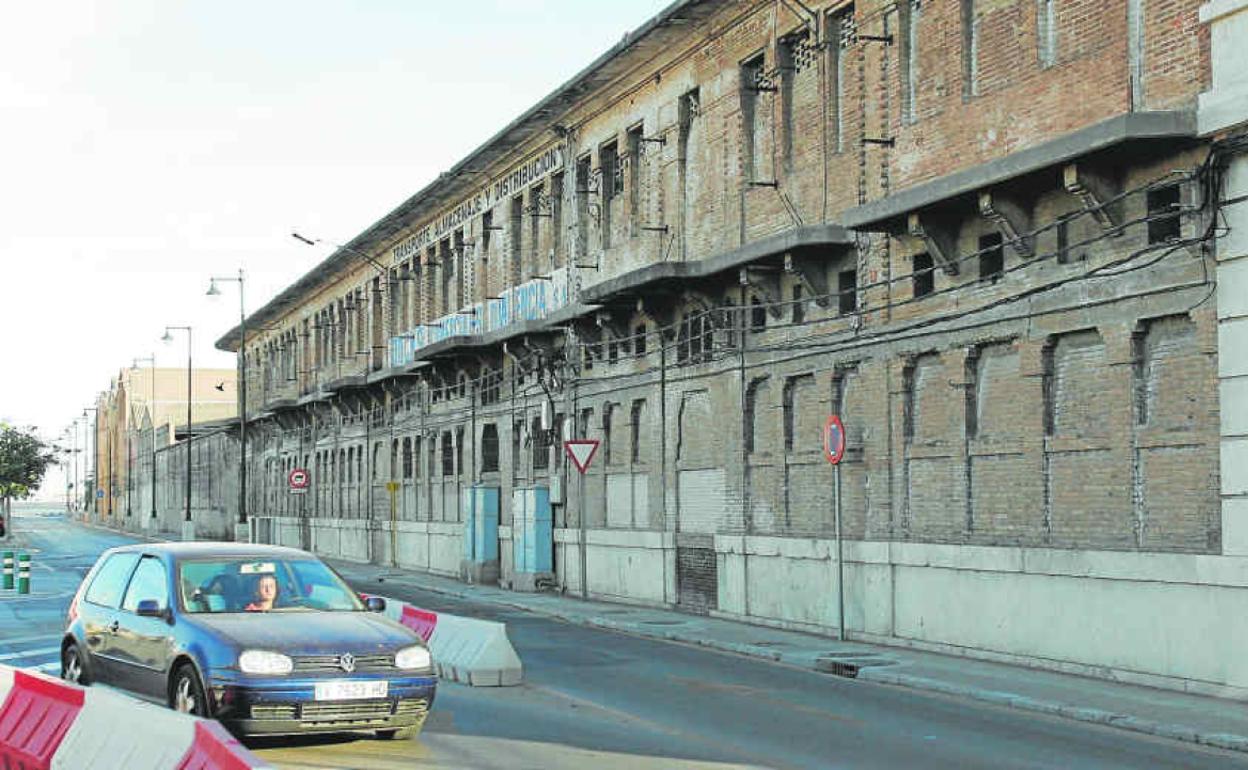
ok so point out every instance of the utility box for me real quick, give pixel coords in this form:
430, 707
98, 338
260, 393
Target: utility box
479, 506
532, 538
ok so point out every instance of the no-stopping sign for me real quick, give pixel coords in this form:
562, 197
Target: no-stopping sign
834, 439
299, 479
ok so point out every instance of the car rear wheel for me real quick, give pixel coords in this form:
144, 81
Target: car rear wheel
401, 734
73, 670
185, 694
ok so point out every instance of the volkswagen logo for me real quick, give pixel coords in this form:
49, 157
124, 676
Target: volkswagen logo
347, 662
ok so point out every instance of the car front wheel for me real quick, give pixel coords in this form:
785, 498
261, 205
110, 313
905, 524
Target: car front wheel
186, 695
73, 670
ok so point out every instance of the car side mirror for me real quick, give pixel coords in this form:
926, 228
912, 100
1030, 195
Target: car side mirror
375, 604
149, 608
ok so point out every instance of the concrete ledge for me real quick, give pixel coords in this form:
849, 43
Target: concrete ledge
1108, 133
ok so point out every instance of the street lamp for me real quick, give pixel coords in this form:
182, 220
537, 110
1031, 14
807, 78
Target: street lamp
91, 444
213, 291
151, 409
189, 432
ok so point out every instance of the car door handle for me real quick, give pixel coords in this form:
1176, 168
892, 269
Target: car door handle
114, 626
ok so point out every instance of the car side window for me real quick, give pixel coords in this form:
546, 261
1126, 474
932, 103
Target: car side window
149, 582
110, 581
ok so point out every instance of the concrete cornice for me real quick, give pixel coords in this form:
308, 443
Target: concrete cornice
1216, 9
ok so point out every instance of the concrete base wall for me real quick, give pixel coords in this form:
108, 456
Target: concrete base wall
435, 547
631, 565
1158, 619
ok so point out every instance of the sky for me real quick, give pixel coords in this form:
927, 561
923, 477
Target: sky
149, 145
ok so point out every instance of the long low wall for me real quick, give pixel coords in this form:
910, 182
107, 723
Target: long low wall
1174, 621
1166, 620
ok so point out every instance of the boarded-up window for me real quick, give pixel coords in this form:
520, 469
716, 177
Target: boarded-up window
755, 404
637, 425
1078, 403
992, 398
1169, 368
927, 405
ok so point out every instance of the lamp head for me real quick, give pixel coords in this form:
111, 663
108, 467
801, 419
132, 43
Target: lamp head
167, 338
213, 291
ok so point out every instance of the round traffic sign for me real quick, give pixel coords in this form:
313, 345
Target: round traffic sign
299, 478
833, 439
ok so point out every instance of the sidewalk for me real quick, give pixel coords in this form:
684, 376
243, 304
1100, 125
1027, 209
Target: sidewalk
1168, 714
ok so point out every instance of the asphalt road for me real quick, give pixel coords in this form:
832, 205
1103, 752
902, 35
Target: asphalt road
594, 698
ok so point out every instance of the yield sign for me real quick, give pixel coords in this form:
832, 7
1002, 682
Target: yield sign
582, 452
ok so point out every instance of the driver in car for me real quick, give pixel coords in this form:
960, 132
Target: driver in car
265, 594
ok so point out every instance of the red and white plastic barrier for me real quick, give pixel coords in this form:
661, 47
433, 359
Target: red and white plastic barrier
46, 723
466, 650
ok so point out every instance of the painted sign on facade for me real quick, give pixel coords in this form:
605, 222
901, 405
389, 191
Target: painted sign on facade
487, 197
530, 301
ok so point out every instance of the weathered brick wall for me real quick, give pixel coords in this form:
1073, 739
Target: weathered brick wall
1057, 411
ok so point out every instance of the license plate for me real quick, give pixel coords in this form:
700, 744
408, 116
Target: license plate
351, 690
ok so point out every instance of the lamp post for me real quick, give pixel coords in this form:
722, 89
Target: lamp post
187, 528
151, 410
67, 466
91, 444
78, 474
213, 291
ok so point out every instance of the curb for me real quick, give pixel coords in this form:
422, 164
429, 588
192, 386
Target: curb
1119, 720
1177, 732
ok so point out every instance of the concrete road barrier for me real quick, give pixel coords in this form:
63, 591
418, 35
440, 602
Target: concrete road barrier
475, 652
466, 650
421, 621
46, 723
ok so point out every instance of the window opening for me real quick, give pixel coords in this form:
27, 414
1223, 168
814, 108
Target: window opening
847, 292
991, 257
1163, 214
923, 275
489, 448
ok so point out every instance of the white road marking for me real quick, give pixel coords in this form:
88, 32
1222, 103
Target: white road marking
8, 642
30, 653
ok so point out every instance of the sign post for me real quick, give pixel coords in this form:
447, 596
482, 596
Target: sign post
393, 488
581, 452
834, 450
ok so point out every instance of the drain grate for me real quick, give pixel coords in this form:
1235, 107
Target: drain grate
849, 664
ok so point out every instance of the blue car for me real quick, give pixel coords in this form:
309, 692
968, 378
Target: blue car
267, 640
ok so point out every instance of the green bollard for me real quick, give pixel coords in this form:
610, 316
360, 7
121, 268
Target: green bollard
8, 570
23, 573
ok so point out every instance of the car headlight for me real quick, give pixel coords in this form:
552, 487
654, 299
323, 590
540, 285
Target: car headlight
412, 657
265, 662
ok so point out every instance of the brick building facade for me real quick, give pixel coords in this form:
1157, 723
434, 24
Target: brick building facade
982, 232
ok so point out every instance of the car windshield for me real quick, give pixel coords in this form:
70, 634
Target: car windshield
262, 585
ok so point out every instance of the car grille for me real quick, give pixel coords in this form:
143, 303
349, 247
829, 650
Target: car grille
354, 713
313, 664
273, 712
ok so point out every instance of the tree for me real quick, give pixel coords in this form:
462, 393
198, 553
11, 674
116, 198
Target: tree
24, 459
